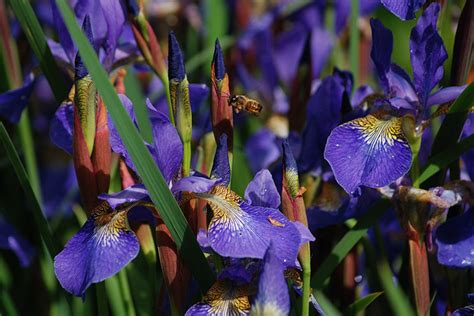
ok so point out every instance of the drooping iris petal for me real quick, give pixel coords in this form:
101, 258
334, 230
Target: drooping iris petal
101, 248
272, 296
427, 52
371, 151
261, 191
404, 9
444, 95
287, 52
134, 193
11, 239
13, 102
61, 127
240, 230
455, 240
220, 165
223, 298
168, 148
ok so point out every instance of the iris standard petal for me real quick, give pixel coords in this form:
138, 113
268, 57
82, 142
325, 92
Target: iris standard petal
239, 230
427, 53
404, 9
455, 240
261, 191
62, 124
272, 296
167, 146
370, 151
114, 16
324, 114
381, 53
13, 102
101, 248
63, 34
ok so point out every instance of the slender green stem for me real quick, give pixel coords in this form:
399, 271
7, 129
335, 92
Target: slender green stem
415, 171
306, 290
101, 295
354, 41
126, 294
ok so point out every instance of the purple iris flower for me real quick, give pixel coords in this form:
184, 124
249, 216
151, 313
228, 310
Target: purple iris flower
13, 102
428, 55
373, 151
104, 245
12, 240
107, 19
238, 229
467, 310
230, 294
455, 241
101, 248
279, 56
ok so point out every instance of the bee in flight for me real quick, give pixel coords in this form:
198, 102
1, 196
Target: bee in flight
241, 102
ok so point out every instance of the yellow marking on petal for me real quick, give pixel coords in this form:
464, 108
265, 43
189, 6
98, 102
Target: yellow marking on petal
274, 222
225, 298
377, 130
225, 205
109, 223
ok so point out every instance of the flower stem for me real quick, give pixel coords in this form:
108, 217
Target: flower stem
354, 41
306, 290
415, 171
419, 275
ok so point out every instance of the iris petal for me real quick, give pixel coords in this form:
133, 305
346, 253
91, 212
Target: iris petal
455, 240
61, 127
223, 298
272, 297
240, 230
370, 151
101, 248
261, 191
